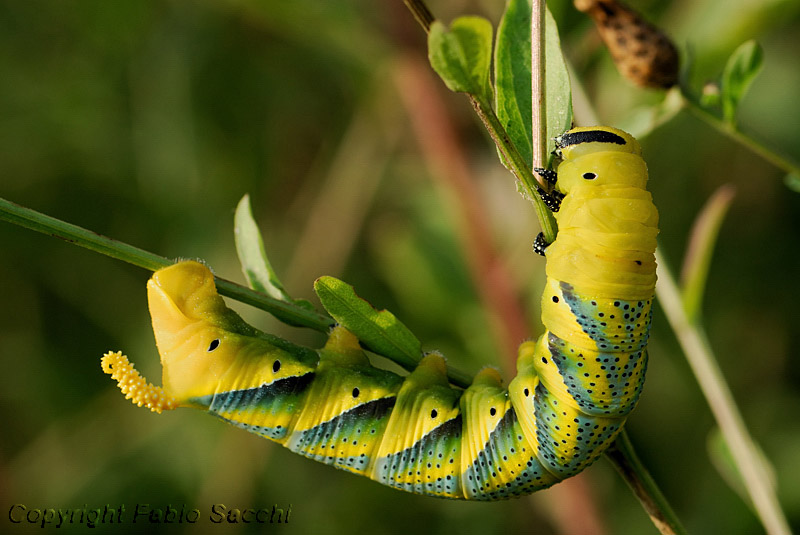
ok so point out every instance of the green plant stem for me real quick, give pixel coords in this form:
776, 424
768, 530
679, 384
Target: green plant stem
517, 165
421, 13
282, 310
538, 118
704, 366
736, 135
511, 156
627, 463
33, 220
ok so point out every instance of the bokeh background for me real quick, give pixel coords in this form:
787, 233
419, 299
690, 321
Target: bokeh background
147, 121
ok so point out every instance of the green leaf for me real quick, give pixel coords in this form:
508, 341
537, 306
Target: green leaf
379, 330
252, 256
462, 55
739, 73
513, 79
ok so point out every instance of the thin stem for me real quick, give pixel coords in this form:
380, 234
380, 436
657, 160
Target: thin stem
624, 458
421, 13
446, 155
516, 162
31, 219
538, 119
732, 132
538, 115
286, 312
704, 366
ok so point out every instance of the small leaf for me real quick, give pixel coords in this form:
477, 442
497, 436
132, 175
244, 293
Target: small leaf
253, 257
379, 330
739, 73
701, 248
462, 55
513, 79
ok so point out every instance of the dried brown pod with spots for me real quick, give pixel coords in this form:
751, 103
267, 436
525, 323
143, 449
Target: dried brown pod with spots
642, 52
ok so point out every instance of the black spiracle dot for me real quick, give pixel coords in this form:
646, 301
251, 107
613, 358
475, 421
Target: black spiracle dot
356, 392
213, 345
492, 411
276, 366
589, 176
434, 414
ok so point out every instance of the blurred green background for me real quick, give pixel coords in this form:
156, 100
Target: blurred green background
147, 121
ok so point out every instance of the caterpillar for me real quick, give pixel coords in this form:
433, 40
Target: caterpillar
574, 388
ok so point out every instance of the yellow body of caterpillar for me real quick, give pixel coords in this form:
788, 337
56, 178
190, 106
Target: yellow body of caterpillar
574, 388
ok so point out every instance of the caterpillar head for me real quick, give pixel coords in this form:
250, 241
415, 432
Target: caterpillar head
205, 347
599, 156
190, 322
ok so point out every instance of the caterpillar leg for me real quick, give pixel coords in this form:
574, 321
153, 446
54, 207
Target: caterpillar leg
540, 244
553, 198
548, 175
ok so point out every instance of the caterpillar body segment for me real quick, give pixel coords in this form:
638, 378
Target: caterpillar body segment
574, 387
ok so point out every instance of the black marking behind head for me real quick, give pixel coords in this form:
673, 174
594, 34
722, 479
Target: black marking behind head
589, 136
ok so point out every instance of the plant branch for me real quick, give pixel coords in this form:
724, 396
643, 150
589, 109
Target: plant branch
738, 136
704, 366
516, 163
421, 13
511, 157
288, 313
33, 220
627, 463
538, 119
445, 154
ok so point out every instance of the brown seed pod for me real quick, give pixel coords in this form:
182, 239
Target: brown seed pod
642, 53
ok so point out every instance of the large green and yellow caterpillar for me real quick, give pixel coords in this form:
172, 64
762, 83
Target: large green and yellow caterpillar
574, 388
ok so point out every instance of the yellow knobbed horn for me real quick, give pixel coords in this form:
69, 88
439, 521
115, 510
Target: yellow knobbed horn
134, 386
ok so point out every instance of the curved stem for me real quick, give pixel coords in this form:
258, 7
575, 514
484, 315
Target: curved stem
33, 220
511, 157
709, 376
736, 135
517, 165
624, 458
286, 312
